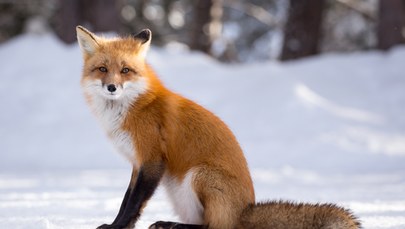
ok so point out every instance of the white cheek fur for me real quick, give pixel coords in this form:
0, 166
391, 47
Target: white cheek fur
112, 111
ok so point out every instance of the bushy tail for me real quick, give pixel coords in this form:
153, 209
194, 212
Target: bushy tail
281, 215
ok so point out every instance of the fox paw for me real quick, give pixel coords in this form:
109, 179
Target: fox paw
109, 226
163, 225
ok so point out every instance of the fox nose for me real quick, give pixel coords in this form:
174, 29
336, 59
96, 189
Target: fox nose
111, 88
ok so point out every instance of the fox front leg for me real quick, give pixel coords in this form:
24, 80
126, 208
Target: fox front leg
147, 180
125, 200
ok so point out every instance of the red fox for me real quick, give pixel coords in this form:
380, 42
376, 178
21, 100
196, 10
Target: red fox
173, 141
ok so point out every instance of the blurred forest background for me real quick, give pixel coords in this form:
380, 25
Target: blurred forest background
228, 30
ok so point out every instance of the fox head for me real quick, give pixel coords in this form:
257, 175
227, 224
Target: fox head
114, 69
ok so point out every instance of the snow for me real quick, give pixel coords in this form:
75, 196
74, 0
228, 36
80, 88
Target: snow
325, 129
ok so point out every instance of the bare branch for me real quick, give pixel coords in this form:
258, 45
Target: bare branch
360, 7
255, 11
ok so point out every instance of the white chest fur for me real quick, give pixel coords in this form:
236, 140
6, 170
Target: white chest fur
111, 114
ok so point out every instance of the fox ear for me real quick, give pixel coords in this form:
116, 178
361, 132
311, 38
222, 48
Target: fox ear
145, 37
87, 40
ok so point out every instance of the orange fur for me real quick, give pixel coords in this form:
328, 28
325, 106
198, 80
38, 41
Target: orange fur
165, 126
166, 136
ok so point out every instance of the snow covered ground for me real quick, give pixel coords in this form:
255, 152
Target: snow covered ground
324, 129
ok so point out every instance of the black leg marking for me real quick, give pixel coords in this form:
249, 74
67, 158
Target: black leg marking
123, 204
146, 183
174, 225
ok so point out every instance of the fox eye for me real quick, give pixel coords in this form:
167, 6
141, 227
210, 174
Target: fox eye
102, 69
125, 70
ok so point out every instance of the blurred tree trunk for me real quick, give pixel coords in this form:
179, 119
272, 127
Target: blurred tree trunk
303, 29
200, 39
390, 23
99, 15
207, 24
67, 18
12, 20
140, 6
103, 15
